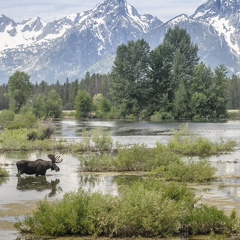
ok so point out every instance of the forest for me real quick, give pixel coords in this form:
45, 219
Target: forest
168, 82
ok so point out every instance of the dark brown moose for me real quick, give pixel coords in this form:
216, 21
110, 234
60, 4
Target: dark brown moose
39, 166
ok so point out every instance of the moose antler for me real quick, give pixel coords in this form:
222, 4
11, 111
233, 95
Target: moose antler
58, 160
54, 158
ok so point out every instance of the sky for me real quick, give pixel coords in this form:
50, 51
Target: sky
20, 10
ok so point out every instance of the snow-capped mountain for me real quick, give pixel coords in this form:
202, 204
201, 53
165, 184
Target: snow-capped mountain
224, 16
87, 41
214, 49
67, 47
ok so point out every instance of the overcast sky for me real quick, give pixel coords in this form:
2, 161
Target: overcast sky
19, 10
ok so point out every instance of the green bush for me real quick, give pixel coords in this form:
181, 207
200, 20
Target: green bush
25, 120
205, 220
191, 171
15, 139
187, 143
136, 158
6, 117
94, 140
144, 209
161, 116
3, 173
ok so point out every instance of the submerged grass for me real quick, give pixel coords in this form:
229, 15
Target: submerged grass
145, 209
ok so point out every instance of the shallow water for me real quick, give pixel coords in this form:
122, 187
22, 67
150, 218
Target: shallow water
55, 184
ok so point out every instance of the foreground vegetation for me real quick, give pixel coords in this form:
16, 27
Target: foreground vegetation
148, 208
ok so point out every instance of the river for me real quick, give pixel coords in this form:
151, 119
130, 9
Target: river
19, 195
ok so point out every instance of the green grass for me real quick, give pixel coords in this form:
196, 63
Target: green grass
3, 173
159, 161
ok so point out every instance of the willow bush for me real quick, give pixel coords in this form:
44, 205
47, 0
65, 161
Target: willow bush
188, 143
147, 208
199, 171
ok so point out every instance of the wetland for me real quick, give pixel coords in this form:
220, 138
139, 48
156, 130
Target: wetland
19, 196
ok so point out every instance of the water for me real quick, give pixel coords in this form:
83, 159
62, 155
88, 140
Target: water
20, 192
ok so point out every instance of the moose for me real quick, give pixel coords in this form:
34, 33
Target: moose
39, 166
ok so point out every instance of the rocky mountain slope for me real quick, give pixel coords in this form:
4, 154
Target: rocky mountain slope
87, 41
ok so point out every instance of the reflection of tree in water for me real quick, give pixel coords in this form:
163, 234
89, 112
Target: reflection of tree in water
97, 183
39, 184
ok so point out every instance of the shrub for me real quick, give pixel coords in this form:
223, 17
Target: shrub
14, 139
144, 209
6, 117
95, 140
187, 143
161, 116
191, 171
3, 173
25, 120
205, 220
136, 158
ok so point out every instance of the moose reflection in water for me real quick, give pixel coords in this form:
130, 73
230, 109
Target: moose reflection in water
39, 184
39, 166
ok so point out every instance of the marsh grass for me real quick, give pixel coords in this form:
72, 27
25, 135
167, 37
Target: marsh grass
3, 173
17, 140
187, 143
183, 142
39, 139
187, 171
136, 158
145, 209
158, 161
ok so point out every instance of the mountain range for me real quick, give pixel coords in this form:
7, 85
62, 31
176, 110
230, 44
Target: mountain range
87, 41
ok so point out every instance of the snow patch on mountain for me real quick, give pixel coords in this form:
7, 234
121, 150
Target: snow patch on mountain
224, 28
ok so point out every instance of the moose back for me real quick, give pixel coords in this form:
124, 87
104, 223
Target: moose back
39, 166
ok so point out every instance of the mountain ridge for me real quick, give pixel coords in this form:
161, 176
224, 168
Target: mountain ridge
71, 46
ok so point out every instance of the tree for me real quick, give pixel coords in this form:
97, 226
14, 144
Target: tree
20, 90
180, 104
234, 92
129, 77
171, 63
201, 91
4, 101
183, 58
39, 107
158, 81
53, 104
83, 104
219, 94
101, 105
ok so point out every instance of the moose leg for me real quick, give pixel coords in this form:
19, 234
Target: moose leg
19, 173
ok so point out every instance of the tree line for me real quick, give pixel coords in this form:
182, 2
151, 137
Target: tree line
168, 82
